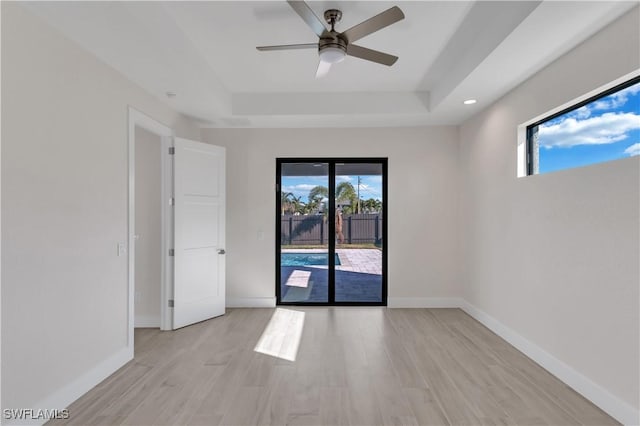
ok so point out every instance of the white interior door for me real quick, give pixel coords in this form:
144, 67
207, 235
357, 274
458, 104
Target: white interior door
199, 274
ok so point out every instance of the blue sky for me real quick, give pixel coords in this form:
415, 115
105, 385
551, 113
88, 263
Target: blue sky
370, 186
603, 130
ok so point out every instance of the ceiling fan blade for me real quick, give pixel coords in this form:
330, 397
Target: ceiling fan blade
371, 55
371, 25
323, 69
308, 16
288, 47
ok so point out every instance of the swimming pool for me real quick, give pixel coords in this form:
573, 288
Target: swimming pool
306, 259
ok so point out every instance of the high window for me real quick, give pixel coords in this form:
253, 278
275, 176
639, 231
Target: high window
601, 128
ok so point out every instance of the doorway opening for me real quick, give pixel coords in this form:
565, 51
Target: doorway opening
149, 224
176, 228
331, 231
147, 228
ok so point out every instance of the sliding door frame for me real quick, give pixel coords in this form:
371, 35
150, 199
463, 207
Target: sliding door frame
331, 161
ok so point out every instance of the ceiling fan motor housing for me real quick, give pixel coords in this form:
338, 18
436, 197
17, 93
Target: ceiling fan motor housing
332, 49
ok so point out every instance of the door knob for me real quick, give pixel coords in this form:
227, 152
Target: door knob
221, 251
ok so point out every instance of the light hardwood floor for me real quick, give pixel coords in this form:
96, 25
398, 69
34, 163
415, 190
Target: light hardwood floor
358, 366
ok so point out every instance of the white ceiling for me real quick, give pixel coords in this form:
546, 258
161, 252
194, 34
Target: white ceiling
449, 51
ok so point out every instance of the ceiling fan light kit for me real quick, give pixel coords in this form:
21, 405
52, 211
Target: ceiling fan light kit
332, 55
333, 46
332, 52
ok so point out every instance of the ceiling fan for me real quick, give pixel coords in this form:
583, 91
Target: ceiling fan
333, 46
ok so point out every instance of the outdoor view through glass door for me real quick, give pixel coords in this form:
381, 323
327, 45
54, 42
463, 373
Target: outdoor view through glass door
331, 231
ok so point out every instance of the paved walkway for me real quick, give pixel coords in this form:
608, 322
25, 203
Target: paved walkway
368, 261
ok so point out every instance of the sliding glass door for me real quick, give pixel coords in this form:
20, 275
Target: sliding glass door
331, 231
304, 232
359, 222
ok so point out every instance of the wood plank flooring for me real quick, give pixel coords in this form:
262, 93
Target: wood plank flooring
356, 366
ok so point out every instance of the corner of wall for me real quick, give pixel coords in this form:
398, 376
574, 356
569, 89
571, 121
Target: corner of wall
66, 395
601, 397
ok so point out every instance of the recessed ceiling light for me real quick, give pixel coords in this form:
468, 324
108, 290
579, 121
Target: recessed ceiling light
469, 102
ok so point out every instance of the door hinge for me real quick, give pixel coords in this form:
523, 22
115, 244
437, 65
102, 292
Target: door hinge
172, 252
172, 201
171, 303
172, 150
277, 187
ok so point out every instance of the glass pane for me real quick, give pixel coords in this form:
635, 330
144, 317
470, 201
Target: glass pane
304, 234
604, 129
359, 244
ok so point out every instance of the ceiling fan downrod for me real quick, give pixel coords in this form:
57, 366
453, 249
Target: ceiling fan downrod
332, 16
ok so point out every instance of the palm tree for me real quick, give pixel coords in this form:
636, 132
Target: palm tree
316, 195
285, 201
346, 192
372, 205
296, 204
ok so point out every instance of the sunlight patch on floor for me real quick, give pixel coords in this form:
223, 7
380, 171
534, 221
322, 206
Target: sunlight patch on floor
281, 337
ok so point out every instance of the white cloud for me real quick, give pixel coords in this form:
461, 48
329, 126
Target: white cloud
298, 188
582, 113
633, 149
367, 189
616, 100
604, 129
613, 101
578, 114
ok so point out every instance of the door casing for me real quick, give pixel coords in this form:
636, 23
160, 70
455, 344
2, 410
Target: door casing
137, 118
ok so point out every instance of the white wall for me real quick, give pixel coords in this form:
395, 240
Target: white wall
148, 228
64, 209
422, 249
555, 257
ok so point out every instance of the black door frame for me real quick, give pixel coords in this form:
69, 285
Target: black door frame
331, 161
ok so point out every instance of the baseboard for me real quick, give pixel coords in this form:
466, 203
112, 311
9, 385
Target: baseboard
146, 321
251, 302
63, 397
392, 302
612, 405
424, 302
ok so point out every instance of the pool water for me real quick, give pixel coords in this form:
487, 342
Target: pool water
306, 259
